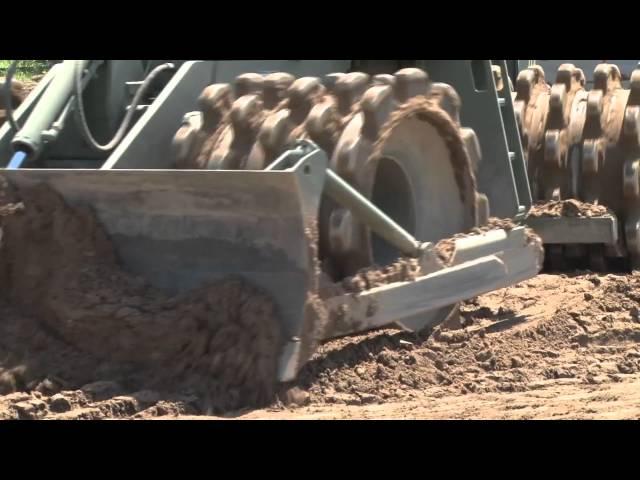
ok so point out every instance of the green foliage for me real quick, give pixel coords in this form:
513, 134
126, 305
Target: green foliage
26, 68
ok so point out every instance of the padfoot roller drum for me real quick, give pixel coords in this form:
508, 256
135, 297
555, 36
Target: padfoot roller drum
583, 147
396, 139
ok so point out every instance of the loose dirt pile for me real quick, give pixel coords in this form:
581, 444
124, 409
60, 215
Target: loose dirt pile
584, 328
445, 248
71, 316
568, 208
402, 270
19, 91
580, 332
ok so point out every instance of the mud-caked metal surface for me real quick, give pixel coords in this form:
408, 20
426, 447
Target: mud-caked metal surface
396, 139
500, 175
481, 263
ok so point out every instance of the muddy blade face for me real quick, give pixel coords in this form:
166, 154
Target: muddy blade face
182, 229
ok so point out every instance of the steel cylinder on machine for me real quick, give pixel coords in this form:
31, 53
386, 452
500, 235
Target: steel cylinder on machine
29, 138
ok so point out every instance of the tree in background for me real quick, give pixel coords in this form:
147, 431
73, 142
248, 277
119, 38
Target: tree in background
27, 69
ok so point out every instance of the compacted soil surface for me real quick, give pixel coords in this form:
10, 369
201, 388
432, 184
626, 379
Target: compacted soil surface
82, 339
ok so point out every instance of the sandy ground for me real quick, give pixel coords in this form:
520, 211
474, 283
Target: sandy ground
552, 400
562, 348
81, 339
592, 376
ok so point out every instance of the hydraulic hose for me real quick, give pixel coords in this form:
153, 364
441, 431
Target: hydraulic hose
17, 160
124, 126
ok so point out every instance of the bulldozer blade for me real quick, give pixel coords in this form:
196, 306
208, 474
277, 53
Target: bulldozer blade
486, 262
572, 230
182, 229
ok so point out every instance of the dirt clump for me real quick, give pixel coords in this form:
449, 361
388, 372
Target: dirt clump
402, 270
82, 404
19, 92
445, 248
568, 208
71, 316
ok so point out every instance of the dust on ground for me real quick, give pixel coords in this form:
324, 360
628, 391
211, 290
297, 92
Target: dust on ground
446, 247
